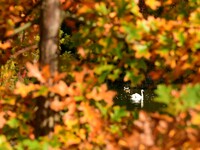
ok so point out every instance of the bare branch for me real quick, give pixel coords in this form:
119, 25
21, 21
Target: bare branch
24, 50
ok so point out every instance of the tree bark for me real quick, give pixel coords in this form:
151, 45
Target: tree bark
49, 34
49, 39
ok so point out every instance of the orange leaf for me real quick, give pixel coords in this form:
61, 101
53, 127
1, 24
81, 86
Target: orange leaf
60, 88
9, 33
108, 97
2, 120
59, 76
102, 94
94, 94
69, 118
91, 116
5, 45
85, 74
57, 105
83, 9
46, 72
81, 52
33, 71
70, 103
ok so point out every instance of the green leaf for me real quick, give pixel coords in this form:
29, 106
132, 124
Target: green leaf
13, 123
141, 64
181, 38
78, 98
43, 91
115, 129
118, 113
136, 79
163, 94
102, 108
32, 144
134, 8
104, 67
101, 8
115, 75
191, 96
118, 50
132, 32
121, 4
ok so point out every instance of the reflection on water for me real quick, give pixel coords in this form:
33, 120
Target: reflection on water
123, 97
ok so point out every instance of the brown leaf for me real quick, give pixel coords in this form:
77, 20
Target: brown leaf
162, 116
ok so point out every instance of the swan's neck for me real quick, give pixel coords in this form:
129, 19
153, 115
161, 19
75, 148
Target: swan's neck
142, 100
142, 93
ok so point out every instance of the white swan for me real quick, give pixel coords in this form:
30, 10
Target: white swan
137, 98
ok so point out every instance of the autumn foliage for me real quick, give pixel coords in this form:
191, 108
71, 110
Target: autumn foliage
116, 41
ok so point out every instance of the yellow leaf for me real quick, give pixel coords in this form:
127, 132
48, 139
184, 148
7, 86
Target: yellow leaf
196, 119
153, 4
23, 89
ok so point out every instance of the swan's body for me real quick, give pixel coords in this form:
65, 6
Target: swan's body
137, 98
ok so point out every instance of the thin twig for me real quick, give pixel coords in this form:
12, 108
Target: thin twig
24, 50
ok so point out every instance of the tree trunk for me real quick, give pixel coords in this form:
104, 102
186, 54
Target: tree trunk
49, 39
49, 34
